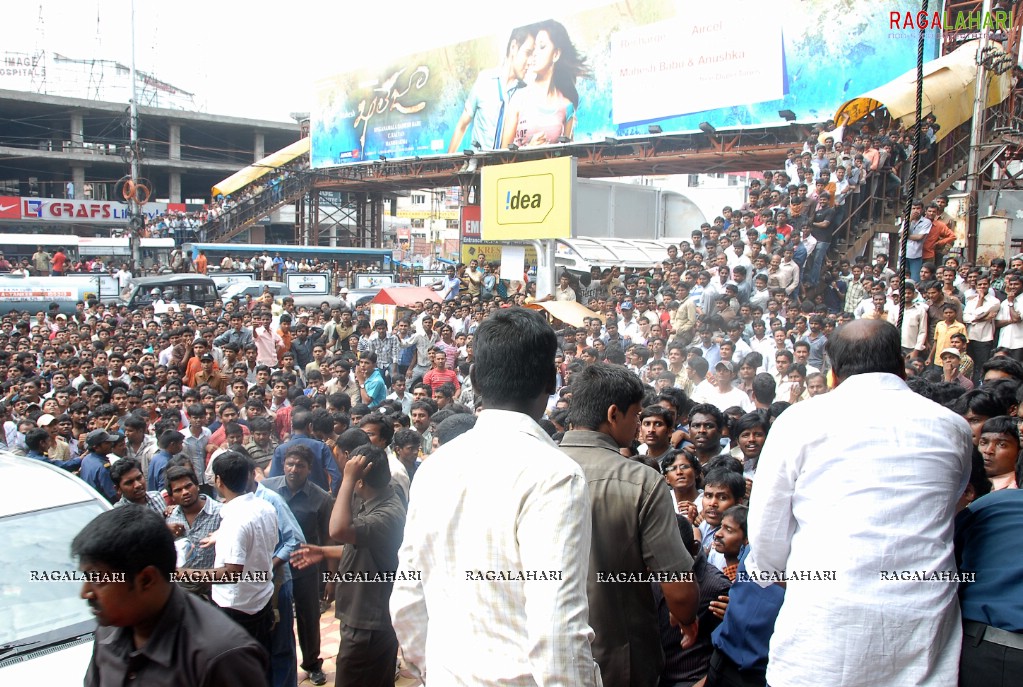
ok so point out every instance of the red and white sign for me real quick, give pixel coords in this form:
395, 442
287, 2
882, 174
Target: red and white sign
78, 211
10, 207
470, 222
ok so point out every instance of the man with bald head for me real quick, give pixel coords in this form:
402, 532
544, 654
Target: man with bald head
853, 510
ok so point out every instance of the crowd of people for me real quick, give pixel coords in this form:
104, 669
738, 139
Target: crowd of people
56, 264
298, 435
735, 470
191, 225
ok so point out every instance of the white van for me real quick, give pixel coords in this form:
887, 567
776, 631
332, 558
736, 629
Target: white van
46, 629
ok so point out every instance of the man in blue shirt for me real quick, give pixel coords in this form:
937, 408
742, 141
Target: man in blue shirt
741, 641
38, 442
96, 465
171, 443
450, 285
991, 599
283, 657
324, 471
372, 387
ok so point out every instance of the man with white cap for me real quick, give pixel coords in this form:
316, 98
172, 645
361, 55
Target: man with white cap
950, 358
59, 450
723, 395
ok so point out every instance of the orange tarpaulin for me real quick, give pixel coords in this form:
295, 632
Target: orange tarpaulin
405, 297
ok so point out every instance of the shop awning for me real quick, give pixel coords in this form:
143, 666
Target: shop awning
246, 176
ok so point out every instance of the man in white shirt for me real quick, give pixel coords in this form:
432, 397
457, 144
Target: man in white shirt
723, 395
629, 326
245, 546
533, 628
564, 292
980, 312
830, 474
914, 322
1010, 318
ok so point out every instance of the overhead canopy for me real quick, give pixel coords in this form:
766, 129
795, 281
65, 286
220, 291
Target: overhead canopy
246, 176
569, 312
949, 84
405, 296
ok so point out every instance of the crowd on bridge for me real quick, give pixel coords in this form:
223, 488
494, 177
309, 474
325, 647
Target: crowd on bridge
191, 225
491, 498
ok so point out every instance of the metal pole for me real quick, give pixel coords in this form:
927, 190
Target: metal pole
134, 207
973, 181
914, 172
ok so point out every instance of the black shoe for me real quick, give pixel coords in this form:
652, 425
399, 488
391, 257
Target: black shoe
317, 677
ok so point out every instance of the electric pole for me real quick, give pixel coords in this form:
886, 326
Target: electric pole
136, 222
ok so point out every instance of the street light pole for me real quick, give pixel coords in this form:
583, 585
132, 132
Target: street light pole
135, 221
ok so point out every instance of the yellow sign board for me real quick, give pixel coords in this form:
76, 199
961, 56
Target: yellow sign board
528, 200
491, 252
426, 214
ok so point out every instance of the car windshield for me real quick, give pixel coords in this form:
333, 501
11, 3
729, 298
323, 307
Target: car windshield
37, 545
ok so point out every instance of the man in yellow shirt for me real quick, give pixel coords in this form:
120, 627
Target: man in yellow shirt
944, 330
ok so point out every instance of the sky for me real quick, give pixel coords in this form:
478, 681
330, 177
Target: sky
252, 59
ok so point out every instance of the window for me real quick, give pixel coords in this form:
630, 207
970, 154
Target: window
419, 199
452, 223
693, 181
418, 223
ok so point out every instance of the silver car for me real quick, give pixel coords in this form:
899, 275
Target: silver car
46, 629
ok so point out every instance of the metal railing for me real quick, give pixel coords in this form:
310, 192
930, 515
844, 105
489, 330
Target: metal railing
882, 199
243, 215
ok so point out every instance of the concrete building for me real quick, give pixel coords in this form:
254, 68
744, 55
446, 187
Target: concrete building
59, 147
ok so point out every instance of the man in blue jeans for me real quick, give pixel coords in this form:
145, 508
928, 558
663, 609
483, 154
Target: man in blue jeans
822, 228
919, 228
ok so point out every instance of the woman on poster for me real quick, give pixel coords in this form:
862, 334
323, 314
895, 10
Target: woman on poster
545, 110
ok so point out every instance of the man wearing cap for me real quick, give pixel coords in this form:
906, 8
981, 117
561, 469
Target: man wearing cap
950, 372
628, 326
723, 395
207, 375
59, 451
96, 466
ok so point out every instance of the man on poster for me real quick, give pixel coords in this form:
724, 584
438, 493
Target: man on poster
485, 105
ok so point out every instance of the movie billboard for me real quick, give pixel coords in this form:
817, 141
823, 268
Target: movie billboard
613, 71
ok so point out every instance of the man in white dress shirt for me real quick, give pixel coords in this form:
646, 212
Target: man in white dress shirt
499, 528
244, 547
861, 484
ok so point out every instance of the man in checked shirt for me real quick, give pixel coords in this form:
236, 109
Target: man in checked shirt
195, 517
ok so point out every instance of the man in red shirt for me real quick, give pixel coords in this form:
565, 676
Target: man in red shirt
440, 372
938, 238
58, 263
